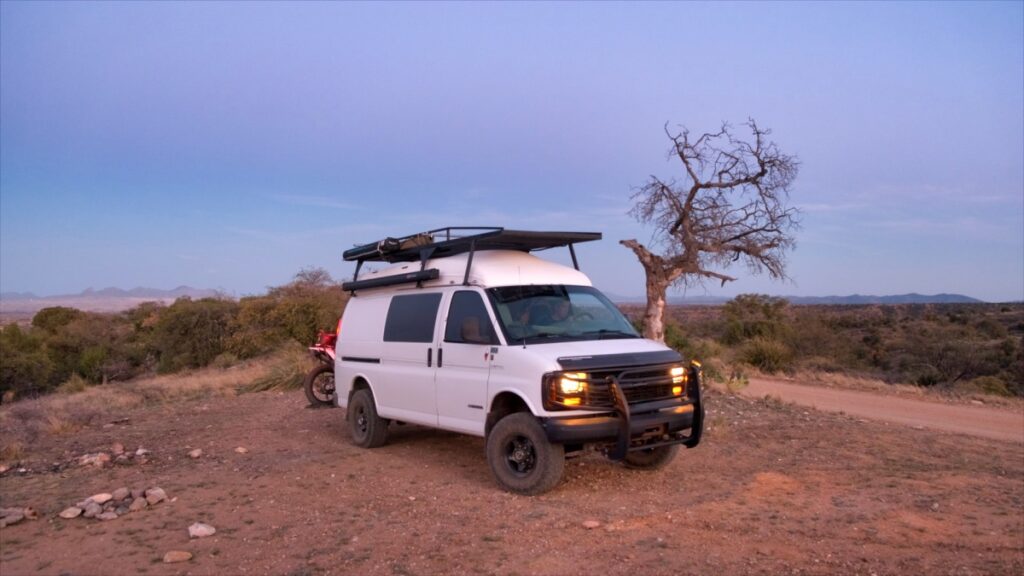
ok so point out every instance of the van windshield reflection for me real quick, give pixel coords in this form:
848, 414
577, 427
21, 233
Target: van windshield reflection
557, 313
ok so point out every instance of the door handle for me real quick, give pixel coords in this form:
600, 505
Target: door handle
439, 356
430, 355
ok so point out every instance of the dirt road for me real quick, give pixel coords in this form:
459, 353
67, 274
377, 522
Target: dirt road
982, 421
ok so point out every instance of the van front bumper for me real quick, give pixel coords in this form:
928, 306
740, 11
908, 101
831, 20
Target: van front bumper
636, 427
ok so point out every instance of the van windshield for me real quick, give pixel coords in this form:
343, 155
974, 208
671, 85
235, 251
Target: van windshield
557, 313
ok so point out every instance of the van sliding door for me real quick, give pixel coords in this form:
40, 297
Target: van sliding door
405, 389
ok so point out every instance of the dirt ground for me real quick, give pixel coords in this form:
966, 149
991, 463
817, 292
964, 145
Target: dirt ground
773, 489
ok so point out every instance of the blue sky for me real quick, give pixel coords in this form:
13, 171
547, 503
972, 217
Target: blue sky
229, 145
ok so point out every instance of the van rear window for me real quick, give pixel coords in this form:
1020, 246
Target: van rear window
411, 318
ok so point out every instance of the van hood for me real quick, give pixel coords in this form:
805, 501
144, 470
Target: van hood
591, 354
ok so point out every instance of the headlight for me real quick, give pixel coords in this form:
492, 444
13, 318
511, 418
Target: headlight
573, 383
678, 374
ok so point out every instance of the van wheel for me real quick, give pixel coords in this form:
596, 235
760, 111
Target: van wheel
368, 430
652, 458
521, 458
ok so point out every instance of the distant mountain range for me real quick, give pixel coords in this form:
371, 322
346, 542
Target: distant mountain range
111, 292
912, 298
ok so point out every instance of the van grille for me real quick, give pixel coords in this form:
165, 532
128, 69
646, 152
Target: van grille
638, 384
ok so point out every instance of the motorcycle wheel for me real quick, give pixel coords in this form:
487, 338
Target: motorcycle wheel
319, 386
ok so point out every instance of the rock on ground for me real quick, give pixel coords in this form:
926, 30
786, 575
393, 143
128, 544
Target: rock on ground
201, 530
72, 512
177, 556
155, 495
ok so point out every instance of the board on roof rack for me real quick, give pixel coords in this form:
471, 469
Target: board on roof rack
457, 240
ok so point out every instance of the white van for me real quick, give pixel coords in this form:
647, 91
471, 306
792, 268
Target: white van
470, 332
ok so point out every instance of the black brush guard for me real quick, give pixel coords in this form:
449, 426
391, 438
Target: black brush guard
628, 424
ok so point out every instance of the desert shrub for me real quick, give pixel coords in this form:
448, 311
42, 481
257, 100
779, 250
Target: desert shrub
55, 317
191, 333
296, 311
989, 385
749, 316
73, 384
95, 346
25, 366
766, 354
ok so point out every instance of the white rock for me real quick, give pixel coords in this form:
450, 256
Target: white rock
92, 509
138, 504
141, 451
101, 498
196, 453
591, 524
117, 448
121, 494
107, 516
200, 530
72, 512
242, 450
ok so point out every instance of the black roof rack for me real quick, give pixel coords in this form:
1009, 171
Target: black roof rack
450, 241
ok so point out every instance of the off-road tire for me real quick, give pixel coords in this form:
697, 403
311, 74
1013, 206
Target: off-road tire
317, 397
367, 429
521, 458
652, 458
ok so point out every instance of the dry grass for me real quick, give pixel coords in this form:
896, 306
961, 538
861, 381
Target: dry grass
23, 422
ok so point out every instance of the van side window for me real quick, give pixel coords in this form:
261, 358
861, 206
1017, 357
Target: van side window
468, 322
411, 318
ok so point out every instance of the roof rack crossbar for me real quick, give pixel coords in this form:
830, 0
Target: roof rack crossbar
572, 252
408, 278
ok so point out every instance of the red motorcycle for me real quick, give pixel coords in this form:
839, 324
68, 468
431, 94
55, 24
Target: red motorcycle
319, 383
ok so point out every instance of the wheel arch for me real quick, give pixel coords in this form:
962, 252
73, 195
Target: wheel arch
503, 404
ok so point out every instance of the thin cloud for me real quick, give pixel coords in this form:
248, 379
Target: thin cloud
317, 201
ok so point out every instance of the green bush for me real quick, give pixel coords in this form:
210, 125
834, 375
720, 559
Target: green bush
990, 385
750, 316
55, 317
296, 311
191, 333
25, 367
768, 355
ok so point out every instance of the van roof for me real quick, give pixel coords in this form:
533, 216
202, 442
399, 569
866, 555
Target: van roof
490, 269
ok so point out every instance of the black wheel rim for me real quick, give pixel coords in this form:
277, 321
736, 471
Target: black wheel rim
361, 423
520, 455
323, 387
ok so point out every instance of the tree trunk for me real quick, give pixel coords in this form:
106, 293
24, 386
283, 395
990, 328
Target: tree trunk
654, 317
659, 277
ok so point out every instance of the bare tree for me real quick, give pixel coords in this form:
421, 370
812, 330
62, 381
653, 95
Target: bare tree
729, 207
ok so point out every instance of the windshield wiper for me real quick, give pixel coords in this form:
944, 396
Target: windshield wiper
605, 332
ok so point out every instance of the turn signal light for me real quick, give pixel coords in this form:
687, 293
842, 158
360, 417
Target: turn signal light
677, 390
572, 402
